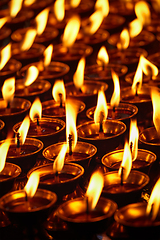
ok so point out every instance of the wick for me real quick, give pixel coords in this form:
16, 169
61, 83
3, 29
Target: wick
26, 197
8, 109
56, 177
113, 112
38, 126
101, 121
26, 91
18, 149
27, 201
70, 144
137, 85
80, 90
87, 205
122, 173
151, 212
60, 97
131, 146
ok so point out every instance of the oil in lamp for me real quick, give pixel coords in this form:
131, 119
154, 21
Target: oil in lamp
77, 152
142, 159
90, 214
124, 186
47, 130
103, 133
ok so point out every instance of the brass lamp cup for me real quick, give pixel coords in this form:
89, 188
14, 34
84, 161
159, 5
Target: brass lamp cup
137, 181
33, 216
64, 186
98, 218
83, 153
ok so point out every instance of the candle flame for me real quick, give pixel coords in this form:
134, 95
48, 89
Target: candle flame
59, 89
102, 58
41, 21
8, 89
59, 9
124, 39
135, 27
94, 189
3, 21
36, 109
142, 11
155, 96
32, 184
101, 110
31, 75
133, 138
115, 99
71, 115
147, 67
102, 5
126, 162
75, 3
94, 22
3, 153
23, 129
69, 35
48, 55
28, 2
28, 39
154, 201
78, 77
137, 80
15, 7
5, 55
59, 161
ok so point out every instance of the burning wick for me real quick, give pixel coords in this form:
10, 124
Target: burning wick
18, 149
60, 97
137, 85
70, 144
114, 112
27, 201
87, 206
131, 146
122, 170
101, 121
38, 127
8, 109
56, 177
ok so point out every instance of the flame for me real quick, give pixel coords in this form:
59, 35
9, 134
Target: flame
58, 89
28, 2
69, 35
31, 76
156, 5
8, 89
155, 96
115, 99
36, 109
102, 58
135, 27
143, 13
3, 153
15, 7
133, 138
126, 162
94, 189
75, 3
147, 67
23, 129
32, 184
41, 21
59, 9
48, 55
101, 108
124, 39
59, 161
71, 115
5, 55
103, 6
3, 21
137, 80
78, 77
28, 39
93, 22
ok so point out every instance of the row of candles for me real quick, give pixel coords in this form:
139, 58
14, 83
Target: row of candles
51, 132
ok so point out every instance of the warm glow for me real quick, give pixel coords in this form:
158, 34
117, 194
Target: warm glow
135, 27
154, 201
3, 21
5, 55
48, 55
103, 6
28, 39
115, 99
59, 92
124, 40
31, 75
75, 3
133, 138
41, 21
32, 184
155, 96
126, 162
137, 80
102, 58
143, 13
78, 77
28, 2
23, 129
71, 116
8, 89
70, 35
3, 153
59, 9
94, 189
59, 161
36, 109
101, 110
15, 7
156, 5
147, 67
94, 22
